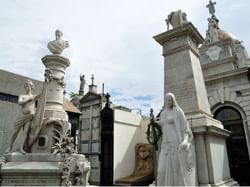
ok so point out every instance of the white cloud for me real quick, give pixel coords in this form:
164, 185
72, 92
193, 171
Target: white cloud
111, 39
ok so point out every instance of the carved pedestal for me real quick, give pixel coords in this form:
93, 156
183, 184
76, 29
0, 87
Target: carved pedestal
55, 71
54, 113
41, 170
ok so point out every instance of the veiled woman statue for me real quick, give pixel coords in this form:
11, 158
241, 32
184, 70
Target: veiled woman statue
176, 164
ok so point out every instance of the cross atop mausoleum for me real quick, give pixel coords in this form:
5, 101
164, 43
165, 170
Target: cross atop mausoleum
92, 79
211, 7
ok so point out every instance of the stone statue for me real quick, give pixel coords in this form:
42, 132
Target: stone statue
214, 33
82, 84
57, 46
213, 29
143, 173
241, 52
176, 19
176, 164
27, 103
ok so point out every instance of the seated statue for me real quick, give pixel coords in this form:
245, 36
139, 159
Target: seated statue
143, 173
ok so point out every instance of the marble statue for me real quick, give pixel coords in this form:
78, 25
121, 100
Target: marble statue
57, 46
214, 33
176, 164
241, 52
82, 84
176, 19
213, 29
144, 166
27, 103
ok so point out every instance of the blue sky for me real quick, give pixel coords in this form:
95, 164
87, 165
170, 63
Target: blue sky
111, 39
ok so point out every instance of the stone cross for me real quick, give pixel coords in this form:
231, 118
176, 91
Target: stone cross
108, 98
92, 78
211, 7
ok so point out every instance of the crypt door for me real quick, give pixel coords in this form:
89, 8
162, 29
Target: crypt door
236, 145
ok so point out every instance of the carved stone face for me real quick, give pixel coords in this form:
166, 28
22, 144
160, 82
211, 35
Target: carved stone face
143, 153
58, 34
28, 86
169, 101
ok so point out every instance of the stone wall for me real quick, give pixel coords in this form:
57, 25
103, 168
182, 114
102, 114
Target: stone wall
129, 129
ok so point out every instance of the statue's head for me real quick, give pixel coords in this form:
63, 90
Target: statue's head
170, 100
28, 86
59, 34
142, 152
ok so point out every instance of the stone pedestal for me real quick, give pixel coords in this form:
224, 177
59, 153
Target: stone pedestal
55, 66
38, 169
183, 77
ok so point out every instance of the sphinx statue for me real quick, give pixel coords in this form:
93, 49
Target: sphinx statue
143, 173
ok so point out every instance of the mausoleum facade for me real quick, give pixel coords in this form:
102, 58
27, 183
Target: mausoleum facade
225, 65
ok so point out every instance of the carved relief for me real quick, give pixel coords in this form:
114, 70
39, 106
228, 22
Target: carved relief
213, 53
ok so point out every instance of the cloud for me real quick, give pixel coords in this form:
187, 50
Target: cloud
115, 92
146, 105
144, 98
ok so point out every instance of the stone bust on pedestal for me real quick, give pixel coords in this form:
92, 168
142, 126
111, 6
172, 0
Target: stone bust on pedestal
57, 46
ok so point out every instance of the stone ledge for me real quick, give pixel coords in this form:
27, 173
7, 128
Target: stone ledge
17, 157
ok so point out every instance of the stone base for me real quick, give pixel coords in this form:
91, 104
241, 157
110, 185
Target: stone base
31, 174
211, 152
37, 169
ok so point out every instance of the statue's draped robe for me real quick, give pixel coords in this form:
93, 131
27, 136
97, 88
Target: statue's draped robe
176, 167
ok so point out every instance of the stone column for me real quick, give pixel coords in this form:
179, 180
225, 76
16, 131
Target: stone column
183, 77
55, 71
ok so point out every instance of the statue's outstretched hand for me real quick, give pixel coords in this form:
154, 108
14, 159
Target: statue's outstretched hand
184, 145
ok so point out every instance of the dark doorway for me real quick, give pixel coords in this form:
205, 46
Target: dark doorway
236, 145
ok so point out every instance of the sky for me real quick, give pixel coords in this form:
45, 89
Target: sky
111, 39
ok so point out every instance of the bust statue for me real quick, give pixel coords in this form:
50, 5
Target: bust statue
57, 46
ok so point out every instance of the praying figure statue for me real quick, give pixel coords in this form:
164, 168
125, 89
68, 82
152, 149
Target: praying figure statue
82, 84
57, 46
176, 163
27, 103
